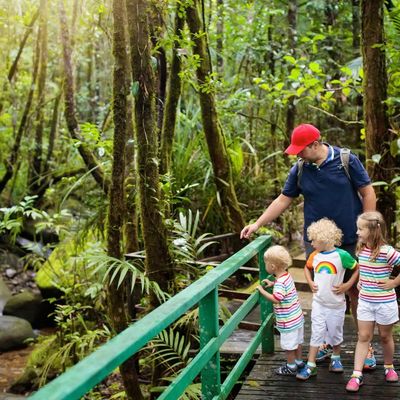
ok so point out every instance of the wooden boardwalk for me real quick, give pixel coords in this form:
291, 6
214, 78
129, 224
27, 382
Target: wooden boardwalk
263, 384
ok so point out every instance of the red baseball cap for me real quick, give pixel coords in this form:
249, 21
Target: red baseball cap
302, 136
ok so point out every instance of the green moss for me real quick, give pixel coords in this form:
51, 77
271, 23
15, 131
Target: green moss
61, 267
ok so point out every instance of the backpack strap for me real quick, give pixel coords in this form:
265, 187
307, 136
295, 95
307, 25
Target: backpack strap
345, 160
300, 163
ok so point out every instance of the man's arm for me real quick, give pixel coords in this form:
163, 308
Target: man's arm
368, 197
276, 208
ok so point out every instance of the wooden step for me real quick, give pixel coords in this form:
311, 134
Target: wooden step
299, 260
299, 279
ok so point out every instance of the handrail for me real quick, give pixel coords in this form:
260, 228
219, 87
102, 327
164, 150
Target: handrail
83, 376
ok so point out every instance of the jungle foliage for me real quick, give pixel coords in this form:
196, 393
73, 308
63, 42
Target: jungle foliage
144, 126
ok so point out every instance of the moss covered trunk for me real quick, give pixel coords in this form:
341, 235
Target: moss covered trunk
69, 97
158, 263
173, 93
378, 134
117, 296
37, 159
214, 136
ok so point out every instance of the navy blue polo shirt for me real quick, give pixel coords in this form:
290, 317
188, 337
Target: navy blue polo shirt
329, 193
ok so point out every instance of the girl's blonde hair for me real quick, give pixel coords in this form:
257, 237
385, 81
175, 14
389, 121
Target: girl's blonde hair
376, 226
325, 230
278, 256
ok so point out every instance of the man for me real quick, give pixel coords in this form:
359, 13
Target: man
327, 191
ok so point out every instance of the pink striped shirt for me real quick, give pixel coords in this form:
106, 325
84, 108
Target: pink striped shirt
374, 273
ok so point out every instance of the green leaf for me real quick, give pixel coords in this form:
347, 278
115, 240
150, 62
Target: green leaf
315, 67
395, 180
300, 91
265, 86
395, 147
376, 158
135, 89
379, 183
290, 59
294, 74
346, 91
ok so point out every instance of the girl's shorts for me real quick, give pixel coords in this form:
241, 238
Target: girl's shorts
326, 324
292, 339
381, 313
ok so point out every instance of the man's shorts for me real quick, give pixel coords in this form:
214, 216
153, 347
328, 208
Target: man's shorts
381, 313
292, 339
326, 324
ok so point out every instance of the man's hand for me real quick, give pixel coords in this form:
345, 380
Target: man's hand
248, 230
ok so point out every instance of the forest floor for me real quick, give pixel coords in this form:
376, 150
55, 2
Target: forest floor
12, 365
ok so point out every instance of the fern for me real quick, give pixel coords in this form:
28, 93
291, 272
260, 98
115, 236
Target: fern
170, 349
192, 392
110, 268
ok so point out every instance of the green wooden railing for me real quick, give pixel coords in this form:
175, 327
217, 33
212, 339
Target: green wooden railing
82, 377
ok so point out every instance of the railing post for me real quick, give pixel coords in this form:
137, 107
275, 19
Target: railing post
267, 341
209, 327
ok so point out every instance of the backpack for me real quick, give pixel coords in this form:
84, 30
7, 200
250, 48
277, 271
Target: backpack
344, 158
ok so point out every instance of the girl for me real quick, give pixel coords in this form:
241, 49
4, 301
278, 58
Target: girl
377, 297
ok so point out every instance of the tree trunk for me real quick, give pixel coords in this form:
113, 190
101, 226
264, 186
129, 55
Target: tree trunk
358, 100
292, 34
53, 131
36, 162
158, 261
116, 296
12, 161
173, 95
13, 68
69, 96
212, 128
378, 135
220, 36
355, 26
131, 221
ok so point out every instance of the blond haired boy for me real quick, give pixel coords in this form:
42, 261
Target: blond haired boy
288, 314
328, 264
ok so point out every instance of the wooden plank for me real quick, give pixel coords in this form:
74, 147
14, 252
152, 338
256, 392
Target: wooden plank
263, 383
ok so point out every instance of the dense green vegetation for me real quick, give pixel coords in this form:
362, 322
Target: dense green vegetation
144, 125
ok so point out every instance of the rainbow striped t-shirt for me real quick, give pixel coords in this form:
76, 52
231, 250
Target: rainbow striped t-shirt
288, 313
373, 273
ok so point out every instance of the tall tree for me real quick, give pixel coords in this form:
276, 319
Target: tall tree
378, 134
13, 69
36, 171
69, 98
292, 41
173, 94
12, 160
158, 261
220, 35
212, 128
116, 295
